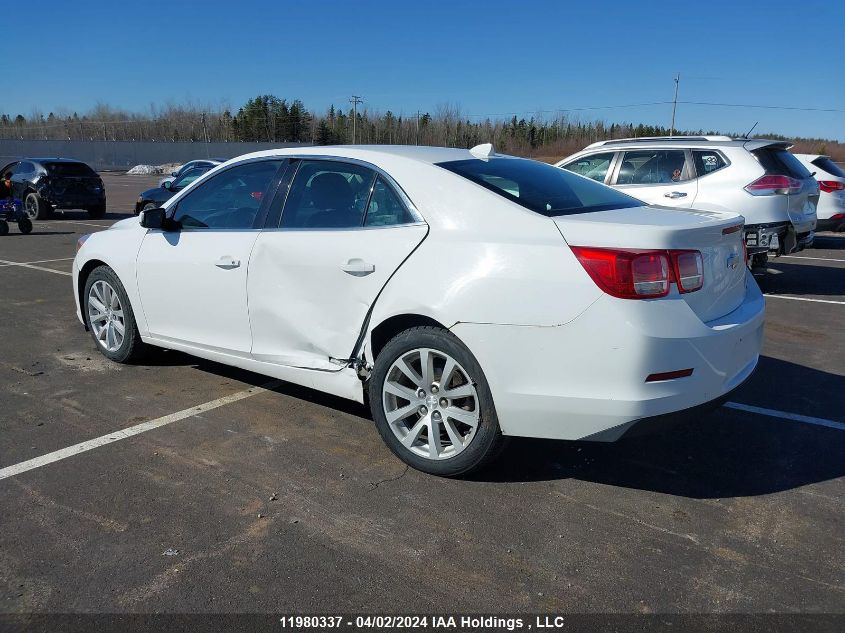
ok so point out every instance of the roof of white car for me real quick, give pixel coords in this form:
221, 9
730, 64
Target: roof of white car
421, 153
688, 141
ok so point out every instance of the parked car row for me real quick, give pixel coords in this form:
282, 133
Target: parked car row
759, 179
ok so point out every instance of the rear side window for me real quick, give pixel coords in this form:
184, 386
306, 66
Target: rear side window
594, 166
327, 194
779, 162
824, 163
25, 167
653, 167
544, 189
72, 170
706, 161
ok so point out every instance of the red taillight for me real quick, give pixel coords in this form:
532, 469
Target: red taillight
641, 274
829, 186
689, 270
837, 216
773, 184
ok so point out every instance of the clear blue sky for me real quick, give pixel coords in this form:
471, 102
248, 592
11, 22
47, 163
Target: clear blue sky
485, 57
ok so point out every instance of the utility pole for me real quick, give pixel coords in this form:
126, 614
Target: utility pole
355, 100
205, 134
675, 104
418, 127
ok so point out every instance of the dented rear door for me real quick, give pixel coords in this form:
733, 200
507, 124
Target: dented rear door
310, 286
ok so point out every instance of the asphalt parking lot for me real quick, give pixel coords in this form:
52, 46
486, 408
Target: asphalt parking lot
281, 499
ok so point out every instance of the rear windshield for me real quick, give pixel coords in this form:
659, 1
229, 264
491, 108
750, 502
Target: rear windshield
829, 166
69, 169
544, 189
779, 162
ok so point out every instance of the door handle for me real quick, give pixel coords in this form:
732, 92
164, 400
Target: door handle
227, 261
675, 194
358, 267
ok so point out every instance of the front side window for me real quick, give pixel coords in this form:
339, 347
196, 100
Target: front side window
385, 208
542, 188
229, 200
327, 194
594, 166
653, 167
707, 161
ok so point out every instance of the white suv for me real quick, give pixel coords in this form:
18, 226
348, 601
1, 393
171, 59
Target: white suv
756, 178
831, 177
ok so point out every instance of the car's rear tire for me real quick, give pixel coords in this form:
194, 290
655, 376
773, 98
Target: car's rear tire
109, 317
4, 227
98, 212
25, 226
36, 208
412, 405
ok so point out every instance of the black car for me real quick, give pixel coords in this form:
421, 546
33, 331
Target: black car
157, 196
46, 184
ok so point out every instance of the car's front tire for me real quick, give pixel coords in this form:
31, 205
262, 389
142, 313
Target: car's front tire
432, 405
109, 317
36, 208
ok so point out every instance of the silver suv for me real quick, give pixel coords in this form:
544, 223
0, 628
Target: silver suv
757, 178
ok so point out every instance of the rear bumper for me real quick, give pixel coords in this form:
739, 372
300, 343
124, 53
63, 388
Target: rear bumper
778, 238
587, 379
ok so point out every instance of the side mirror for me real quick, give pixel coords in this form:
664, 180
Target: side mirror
157, 219
167, 184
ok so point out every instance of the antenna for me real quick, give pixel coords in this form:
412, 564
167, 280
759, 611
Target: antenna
751, 130
675, 104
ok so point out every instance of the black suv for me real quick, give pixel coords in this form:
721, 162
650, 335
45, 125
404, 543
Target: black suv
45, 184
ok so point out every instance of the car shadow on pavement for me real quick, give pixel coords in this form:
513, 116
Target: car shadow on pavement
831, 241
802, 279
726, 453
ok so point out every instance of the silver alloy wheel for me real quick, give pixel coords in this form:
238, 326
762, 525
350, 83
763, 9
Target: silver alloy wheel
431, 403
105, 314
149, 205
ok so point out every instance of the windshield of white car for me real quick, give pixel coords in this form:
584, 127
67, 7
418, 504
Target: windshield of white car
544, 189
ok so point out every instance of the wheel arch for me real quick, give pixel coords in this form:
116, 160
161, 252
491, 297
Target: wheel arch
393, 325
84, 273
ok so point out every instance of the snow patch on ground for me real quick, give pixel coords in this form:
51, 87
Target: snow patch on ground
149, 170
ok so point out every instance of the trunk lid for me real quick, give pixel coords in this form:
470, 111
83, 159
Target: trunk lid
648, 227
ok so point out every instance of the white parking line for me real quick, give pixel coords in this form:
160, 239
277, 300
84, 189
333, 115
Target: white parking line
116, 436
38, 261
46, 270
59, 223
795, 417
820, 259
804, 299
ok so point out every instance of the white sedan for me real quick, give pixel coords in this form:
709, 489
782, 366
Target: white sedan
471, 296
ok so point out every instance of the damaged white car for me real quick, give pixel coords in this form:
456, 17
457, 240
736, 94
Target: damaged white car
471, 296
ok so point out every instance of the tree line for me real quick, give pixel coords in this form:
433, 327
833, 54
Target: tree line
273, 119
